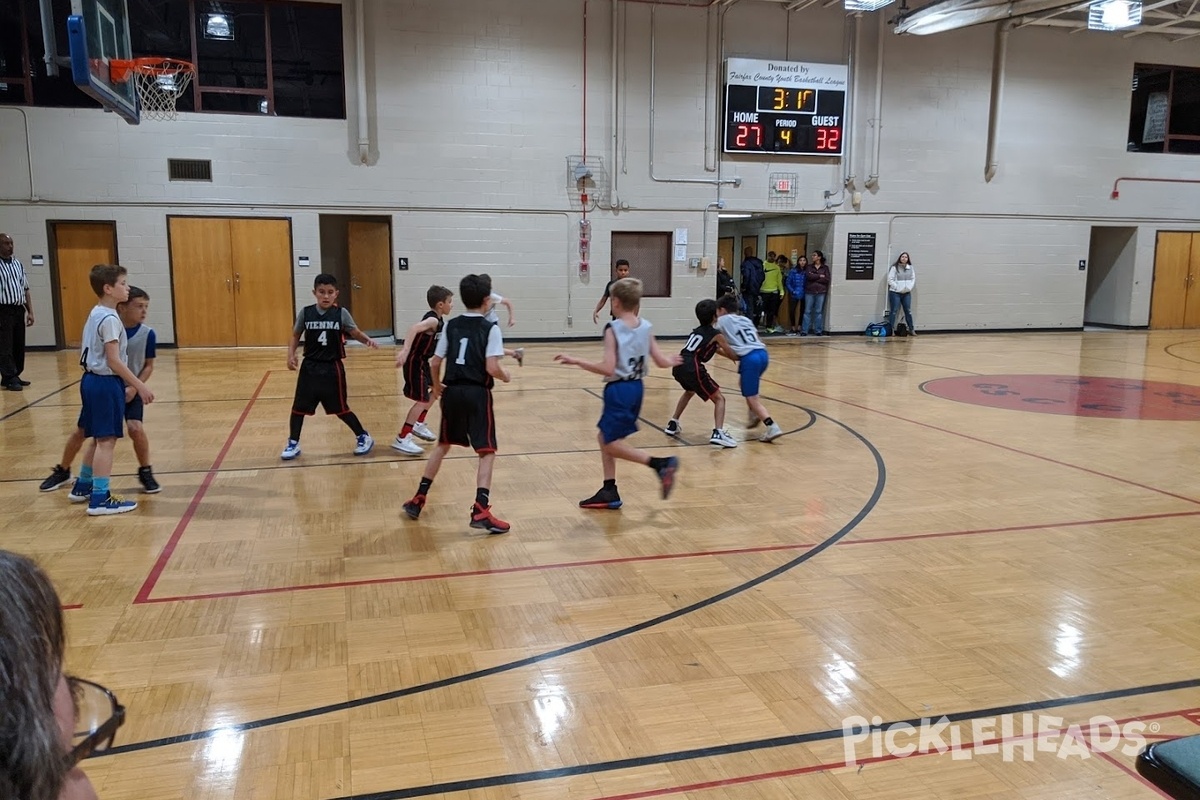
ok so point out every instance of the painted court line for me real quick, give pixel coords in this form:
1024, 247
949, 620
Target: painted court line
156, 572
653, 557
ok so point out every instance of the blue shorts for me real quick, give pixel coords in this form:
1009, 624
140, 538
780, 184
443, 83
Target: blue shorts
751, 367
622, 404
103, 413
135, 411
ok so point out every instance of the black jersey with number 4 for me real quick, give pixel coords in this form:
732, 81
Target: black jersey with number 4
466, 351
701, 345
324, 334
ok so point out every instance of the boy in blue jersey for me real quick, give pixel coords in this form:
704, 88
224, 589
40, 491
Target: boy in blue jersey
628, 343
105, 378
140, 355
742, 338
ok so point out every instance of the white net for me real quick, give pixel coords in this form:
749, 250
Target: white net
159, 85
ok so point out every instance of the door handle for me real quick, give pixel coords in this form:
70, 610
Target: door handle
237, 280
229, 284
354, 282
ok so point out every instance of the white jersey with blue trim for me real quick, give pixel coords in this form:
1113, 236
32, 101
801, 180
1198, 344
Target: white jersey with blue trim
103, 325
740, 333
633, 350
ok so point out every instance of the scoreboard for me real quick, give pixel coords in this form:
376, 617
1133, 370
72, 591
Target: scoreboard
784, 107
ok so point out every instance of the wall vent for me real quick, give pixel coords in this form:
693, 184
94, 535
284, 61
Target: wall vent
189, 169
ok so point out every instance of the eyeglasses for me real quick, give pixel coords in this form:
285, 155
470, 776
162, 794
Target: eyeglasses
97, 717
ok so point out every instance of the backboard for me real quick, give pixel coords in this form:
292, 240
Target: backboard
98, 32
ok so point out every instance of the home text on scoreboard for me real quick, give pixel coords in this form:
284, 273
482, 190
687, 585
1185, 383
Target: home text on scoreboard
784, 107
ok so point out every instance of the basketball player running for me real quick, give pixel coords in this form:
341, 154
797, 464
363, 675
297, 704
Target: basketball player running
703, 343
471, 348
322, 378
419, 344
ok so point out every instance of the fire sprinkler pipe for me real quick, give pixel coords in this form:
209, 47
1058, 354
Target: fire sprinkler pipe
1116, 193
360, 80
999, 59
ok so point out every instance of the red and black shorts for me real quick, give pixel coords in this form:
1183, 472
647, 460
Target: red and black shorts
321, 383
467, 418
418, 380
694, 377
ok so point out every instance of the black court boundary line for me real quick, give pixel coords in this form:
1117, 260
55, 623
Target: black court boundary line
886, 357
33, 403
867, 508
1167, 350
758, 744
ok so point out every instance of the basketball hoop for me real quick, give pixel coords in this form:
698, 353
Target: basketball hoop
159, 82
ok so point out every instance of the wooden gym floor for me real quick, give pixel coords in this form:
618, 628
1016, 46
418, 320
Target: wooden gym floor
281, 631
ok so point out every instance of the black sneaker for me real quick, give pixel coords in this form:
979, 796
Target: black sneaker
672, 428
58, 477
149, 485
605, 498
666, 474
413, 507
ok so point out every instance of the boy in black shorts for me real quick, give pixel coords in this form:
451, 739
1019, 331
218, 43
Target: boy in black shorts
322, 378
419, 344
701, 345
471, 347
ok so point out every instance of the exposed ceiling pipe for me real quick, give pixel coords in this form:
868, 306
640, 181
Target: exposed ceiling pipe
711, 65
877, 136
49, 45
360, 80
855, 69
999, 59
717, 181
614, 90
1116, 193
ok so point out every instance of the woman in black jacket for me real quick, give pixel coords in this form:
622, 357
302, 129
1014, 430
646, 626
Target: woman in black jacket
816, 287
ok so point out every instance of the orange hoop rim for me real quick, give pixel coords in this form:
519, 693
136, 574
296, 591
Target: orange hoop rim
121, 68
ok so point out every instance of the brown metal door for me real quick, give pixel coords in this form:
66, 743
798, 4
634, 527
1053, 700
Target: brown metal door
78, 246
1172, 260
371, 276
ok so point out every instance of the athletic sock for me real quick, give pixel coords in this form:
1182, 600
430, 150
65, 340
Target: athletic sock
482, 497
421, 418
769, 421
351, 419
85, 473
297, 423
611, 484
99, 488
657, 463
406, 430
423, 488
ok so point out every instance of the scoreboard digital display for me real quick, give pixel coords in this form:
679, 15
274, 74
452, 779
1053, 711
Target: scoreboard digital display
784, 107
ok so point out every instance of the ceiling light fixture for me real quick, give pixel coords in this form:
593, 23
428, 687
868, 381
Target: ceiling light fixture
1114, 15
218, 26
865, 5
734, 216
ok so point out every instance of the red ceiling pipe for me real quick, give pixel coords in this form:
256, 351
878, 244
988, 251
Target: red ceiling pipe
1116, 193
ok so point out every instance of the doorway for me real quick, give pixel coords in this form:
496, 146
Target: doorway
1110, 267
357, 250
75, 247
1175, 300
231, 280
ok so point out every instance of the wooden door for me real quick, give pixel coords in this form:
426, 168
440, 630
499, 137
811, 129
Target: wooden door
725, 251
370, 300
202, 282
261, 257
78, 246
784, 245
1191, 313
1172, 259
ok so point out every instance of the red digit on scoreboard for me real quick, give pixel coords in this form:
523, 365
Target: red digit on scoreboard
828, 138
745, 133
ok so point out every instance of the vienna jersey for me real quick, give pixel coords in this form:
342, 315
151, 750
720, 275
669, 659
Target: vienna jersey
324, 332
740, 333
701, 345
633, 350
102, 326
424, 343
466, 344
143, 344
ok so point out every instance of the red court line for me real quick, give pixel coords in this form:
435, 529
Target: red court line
631, 559
969, 437
860, 762
143, 594
73, 607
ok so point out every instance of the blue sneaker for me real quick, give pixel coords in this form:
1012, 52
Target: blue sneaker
666, 474
110, 504
364, 445
291, 451
80, 492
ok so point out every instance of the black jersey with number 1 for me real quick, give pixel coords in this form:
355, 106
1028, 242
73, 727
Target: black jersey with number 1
466, 351
701, 345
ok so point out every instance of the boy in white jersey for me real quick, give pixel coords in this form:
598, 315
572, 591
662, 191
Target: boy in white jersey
627, 344
742, 338
103, 386
494, 316
140, 355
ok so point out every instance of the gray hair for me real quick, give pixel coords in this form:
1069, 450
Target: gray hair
33, 761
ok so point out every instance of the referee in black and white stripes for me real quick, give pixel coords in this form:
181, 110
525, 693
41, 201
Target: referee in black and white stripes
16, 314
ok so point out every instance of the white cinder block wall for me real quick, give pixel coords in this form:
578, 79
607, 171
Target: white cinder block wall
474, 107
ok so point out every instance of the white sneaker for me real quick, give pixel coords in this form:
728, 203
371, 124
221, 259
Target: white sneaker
407, 446
773, 432
422, 432
723, 439
519, 355
291, 451
672, 428
363, 444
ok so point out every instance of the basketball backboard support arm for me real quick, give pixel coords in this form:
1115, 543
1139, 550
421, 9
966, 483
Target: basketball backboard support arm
49, 45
